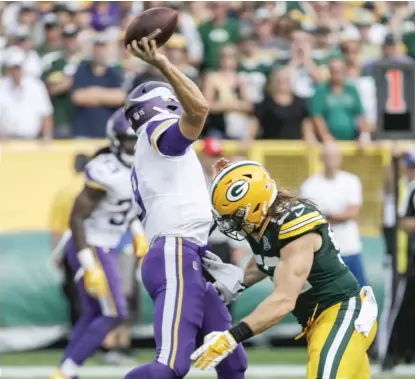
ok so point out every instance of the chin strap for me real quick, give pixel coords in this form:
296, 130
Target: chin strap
213, 227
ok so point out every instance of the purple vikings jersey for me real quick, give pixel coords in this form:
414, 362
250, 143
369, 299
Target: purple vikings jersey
167, 177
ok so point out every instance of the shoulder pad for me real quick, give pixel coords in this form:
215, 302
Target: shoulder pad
101, 170
300, 219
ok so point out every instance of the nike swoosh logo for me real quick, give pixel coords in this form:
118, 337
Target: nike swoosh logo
299, 213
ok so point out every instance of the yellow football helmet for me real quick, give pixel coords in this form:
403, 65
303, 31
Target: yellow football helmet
241, 194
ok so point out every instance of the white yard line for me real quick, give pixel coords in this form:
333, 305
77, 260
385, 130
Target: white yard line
257, 371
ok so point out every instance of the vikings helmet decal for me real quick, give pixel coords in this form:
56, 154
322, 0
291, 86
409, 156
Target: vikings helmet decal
149, 100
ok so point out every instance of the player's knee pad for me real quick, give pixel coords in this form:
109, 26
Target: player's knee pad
152, 370
234, 366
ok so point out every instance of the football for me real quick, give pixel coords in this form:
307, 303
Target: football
149, 22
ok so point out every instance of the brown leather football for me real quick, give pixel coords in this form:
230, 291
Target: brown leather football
148, 22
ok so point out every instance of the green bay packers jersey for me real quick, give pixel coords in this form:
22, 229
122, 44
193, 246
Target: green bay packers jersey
330, 281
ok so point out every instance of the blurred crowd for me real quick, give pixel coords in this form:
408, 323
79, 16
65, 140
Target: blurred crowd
270, 70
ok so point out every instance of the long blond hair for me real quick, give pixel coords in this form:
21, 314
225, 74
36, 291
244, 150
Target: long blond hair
285, 200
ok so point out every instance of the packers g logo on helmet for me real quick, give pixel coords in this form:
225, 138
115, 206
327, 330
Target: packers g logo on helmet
237, 190
241, 194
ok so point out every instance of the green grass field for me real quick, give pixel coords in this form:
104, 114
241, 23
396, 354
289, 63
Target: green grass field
263, 363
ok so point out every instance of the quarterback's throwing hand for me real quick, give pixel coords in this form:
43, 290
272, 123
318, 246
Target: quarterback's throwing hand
217, 346
146, 50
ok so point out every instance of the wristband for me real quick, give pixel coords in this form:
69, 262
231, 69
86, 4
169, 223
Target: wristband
136, 228
86, 258
241, 332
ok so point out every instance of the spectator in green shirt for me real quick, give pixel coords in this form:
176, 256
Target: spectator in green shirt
57, 75
53, 40
253, 69
336, 108
219, 31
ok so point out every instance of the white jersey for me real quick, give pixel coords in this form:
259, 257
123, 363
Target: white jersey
111, 218
170, 190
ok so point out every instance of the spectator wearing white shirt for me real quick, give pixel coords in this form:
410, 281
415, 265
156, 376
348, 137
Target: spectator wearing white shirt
338, 194
25, 108
22, 38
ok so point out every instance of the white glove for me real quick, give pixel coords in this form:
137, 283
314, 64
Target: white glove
211, 258
228, 296
228, 278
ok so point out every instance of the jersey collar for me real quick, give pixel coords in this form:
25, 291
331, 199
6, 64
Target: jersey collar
263, 228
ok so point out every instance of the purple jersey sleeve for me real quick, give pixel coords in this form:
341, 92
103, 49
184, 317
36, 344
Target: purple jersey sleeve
166, 137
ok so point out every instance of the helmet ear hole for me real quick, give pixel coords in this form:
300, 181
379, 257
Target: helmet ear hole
256, 208
172, 107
